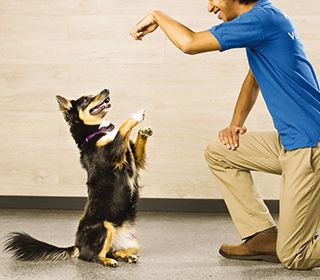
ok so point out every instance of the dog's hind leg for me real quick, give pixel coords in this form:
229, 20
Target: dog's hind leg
140, 146
107, 246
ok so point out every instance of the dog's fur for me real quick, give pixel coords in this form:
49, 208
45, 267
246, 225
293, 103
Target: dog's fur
106, 232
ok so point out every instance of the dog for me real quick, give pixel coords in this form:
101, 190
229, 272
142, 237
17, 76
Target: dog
106, 231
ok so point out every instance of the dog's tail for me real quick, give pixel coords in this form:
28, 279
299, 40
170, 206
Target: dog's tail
26, 248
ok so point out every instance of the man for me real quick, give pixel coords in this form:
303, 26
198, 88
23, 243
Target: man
280, 69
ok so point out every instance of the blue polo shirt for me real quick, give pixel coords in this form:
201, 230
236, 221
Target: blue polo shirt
278, 62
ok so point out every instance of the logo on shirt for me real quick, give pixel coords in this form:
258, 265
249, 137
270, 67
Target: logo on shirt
293, 35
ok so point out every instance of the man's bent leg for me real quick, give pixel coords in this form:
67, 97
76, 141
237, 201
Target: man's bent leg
257, 151
298, 246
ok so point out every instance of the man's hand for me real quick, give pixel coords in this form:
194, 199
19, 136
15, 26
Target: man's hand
230, 136
144, 27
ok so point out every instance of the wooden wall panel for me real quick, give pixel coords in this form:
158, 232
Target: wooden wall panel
77, 47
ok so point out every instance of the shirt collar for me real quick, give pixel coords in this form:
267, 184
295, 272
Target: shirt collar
261, 3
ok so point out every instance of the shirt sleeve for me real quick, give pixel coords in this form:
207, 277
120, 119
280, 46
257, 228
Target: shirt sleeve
245, 31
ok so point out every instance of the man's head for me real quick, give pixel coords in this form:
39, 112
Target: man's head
227, 10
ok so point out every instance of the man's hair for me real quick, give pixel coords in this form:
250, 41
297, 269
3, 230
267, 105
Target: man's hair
246, 1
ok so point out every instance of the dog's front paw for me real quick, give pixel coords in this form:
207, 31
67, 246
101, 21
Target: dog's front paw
139, 116
112, 263
132, 259
146, 131
109, 262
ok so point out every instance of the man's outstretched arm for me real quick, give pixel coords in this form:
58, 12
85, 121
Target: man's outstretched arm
181, 36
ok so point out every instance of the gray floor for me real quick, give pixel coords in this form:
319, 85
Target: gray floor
174, 246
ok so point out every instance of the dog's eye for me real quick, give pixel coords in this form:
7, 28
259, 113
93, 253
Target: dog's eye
85, 101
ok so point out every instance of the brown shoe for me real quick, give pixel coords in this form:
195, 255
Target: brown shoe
260, 247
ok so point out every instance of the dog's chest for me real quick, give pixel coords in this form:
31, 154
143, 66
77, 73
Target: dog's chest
109, 137
132, 179
125, 237
131, 184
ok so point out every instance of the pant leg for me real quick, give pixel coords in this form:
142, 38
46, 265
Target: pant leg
298, 247
258, 151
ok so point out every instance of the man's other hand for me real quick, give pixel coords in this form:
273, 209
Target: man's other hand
229, 136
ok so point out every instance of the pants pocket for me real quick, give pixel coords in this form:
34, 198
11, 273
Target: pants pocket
315, 158
299, 159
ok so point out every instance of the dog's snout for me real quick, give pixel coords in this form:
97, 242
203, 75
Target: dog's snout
105, 91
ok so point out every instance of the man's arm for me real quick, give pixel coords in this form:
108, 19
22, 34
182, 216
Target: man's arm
247, 98
181, 36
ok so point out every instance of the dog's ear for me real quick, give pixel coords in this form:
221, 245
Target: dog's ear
64, 104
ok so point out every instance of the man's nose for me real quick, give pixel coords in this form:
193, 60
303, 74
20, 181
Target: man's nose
210, 6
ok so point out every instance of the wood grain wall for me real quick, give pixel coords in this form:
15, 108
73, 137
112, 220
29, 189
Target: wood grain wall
77, 47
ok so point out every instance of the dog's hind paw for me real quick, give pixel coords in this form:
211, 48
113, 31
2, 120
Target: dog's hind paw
146, 131
132, 259
139, 116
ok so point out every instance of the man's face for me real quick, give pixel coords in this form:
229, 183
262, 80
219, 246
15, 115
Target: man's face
225, 10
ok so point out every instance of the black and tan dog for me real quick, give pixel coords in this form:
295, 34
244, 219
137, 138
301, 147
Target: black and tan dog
106, 232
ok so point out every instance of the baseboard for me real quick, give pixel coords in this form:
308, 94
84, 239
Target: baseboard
145, 204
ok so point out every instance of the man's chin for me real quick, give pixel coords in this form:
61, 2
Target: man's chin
222, 17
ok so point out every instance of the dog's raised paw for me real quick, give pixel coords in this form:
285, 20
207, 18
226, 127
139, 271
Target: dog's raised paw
132, 259
139, 116
146, 131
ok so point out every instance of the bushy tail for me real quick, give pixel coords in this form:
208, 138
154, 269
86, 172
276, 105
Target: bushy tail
24, 247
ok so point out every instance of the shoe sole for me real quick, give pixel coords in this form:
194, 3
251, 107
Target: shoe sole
265, 258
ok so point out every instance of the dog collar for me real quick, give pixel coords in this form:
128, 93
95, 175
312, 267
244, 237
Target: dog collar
103, 129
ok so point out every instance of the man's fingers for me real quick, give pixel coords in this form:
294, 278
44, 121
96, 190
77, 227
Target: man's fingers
225, 140
221, 137
230, 136
235, 139
139, 35
229, 139
137, 30
134, 33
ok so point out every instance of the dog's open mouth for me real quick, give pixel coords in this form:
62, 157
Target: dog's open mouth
102, 106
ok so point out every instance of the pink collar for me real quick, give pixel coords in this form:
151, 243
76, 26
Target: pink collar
101, 130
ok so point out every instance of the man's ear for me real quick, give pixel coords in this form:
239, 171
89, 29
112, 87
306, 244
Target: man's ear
64, 104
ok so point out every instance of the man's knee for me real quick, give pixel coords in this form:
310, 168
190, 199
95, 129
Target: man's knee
212, 152
285, 256
290, 259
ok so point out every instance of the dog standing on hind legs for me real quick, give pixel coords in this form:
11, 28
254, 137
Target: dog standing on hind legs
106, 231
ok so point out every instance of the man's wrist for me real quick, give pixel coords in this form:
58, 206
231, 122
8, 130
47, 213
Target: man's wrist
235, 125
155, 15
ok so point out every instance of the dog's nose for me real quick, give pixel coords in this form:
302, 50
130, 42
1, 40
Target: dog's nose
105, 91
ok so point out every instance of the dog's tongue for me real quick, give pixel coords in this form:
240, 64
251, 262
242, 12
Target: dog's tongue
104, 105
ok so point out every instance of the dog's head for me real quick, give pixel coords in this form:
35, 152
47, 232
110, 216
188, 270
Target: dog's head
89, 110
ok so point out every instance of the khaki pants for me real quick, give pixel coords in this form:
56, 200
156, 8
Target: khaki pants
297, 244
